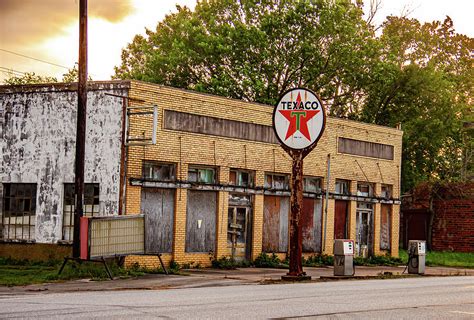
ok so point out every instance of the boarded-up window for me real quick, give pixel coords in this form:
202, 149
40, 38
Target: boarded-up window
385, 226
187, 122
365, 148
311, 225
158, 207
275, 224
201, 221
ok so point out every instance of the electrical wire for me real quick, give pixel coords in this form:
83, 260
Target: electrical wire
32, 58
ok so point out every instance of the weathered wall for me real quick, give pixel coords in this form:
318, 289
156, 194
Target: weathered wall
38, 146
216, 146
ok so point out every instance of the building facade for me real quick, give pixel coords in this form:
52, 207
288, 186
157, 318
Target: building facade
38, 133
211, 178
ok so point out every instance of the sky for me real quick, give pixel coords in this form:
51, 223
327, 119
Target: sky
41, 36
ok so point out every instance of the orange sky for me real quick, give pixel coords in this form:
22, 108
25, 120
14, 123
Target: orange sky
48, 29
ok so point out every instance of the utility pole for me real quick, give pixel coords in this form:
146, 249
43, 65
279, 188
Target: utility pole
81, 128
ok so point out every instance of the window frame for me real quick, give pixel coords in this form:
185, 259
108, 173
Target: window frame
319, 187
67, 228
172, 170
10, 210
198, 170
250, 179
342, 182
286, 182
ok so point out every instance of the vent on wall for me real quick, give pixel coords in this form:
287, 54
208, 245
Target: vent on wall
365, 148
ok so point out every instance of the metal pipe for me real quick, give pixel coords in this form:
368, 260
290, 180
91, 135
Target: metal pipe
327, 202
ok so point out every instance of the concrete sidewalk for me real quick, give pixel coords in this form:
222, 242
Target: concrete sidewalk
195, 278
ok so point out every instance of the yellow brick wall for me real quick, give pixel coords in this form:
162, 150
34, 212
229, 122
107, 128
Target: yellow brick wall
185, 149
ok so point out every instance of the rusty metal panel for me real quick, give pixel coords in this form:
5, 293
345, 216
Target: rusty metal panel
271, 224
201, 214
385, 226
340, 219
311, 225
158, 207
284, 221
275, 224
365, 148
187, 122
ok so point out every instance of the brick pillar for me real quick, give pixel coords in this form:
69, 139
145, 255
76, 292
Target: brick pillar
179, 235
257, 228
221, 228
329, 242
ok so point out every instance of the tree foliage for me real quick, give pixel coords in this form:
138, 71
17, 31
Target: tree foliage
72, 75
419, 75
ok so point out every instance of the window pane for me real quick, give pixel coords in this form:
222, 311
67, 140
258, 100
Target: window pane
233, 177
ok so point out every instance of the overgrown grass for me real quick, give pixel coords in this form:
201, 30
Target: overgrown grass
229, 263
24, 272
445, 258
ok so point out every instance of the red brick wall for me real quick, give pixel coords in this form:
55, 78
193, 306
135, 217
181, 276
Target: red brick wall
453, 225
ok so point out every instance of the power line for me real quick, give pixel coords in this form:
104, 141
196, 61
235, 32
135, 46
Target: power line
9, 70
32, 58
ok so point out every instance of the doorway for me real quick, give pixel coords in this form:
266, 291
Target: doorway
239, 232
364, 230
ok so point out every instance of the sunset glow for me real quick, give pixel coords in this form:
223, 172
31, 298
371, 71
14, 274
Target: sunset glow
30, 28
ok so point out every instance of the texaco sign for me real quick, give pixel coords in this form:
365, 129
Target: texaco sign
299, 119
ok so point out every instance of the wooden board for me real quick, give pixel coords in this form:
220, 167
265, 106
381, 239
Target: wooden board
201, 221
275, 224
158, 207
311, 225
385, 226
340, 219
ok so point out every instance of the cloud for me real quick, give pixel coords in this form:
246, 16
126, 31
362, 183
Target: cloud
28, 21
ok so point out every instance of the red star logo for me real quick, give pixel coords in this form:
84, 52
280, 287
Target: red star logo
298, 118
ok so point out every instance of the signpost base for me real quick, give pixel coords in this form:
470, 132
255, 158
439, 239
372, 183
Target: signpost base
295, 278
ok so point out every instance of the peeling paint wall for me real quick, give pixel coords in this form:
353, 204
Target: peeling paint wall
38, 146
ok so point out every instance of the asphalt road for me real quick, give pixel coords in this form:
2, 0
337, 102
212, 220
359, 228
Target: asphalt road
413, 298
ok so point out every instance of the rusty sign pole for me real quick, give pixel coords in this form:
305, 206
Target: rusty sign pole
296, 203
81, 128
299, 123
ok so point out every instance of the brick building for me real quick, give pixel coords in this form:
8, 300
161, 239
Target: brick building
212, 179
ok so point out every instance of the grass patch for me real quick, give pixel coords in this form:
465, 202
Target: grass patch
445, 259
24, 272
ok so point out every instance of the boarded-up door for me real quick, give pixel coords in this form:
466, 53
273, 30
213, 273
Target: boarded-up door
311, 225
340, 219
201, 221
158, 207
385, 226
275, 224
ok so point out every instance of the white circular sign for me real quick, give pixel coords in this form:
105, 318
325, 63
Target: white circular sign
299, 118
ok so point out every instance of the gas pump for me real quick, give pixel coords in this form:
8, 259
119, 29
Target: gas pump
416, 256
344, 257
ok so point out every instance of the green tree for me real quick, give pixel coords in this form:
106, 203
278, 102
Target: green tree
256, 50
419, 75
72, 75
424, 81
29, 78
